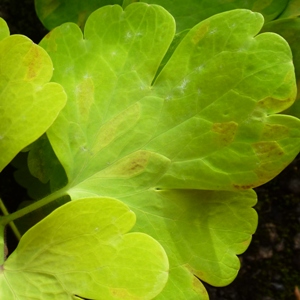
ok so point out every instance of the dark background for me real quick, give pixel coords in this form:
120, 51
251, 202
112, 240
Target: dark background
270, 268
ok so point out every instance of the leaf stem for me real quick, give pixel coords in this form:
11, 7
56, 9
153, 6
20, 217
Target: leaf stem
11, 224
7, 218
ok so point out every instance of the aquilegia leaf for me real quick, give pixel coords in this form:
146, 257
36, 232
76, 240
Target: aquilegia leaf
29, 103
83, 249
181, 147
190, 12
56, 12
289, 29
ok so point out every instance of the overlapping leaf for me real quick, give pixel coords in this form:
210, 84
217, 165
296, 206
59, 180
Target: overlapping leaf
189, 13
53, 13
28, 102
83, 250
290, 30
201, 231
190, 116
292, 10
179, 146
4, 31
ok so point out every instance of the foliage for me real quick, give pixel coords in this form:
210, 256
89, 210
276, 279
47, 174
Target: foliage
54, 258
56, 12
179, 130
25, 94
280, 17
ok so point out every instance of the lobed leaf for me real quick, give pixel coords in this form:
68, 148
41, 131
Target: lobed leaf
4, 30
28, 102
289, 29
53, 13
181, 146
291, 10
201, 231
97, 260
189, 13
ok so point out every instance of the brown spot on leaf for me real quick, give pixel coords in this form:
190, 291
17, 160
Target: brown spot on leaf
198, 286
85, 97
270, 160
50, 41
274, 131
200, 33
268, 170
243, 186
33, 62
196, 282
116, 127
121, 293
267, 150
272, 105
226, 130
129, 166
48, 35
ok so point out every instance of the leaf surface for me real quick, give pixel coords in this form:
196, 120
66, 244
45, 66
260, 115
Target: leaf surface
97, 260
4, 30
53, 13
291, 10
28, 102
289, 29
189, 13
119, 126
181, 147
201, 231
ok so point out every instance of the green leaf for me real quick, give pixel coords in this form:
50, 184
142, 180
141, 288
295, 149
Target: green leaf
53, 13
98, 260
29, 103
35, 188
4, 30
181, 146
290, 30
292, 10
190, 12
98, 140
45, 165
201, 231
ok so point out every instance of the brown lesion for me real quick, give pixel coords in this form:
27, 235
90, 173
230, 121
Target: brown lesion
269, 163
200, 33
85, 97
136, 165
129, 166
122, 293
226, 130
273, 105
34, 64
274, 131
267, 149
243, 186
117, 126
269, 169
196, 279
